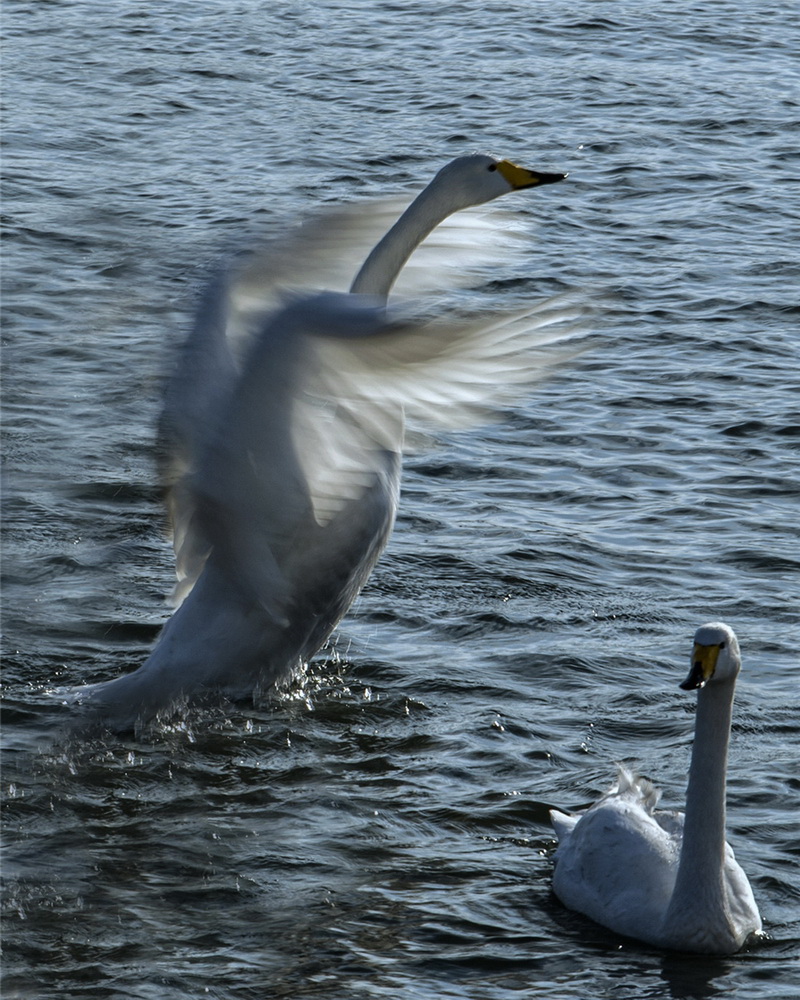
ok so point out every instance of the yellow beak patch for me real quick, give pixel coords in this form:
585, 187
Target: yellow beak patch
521, 177
704, 663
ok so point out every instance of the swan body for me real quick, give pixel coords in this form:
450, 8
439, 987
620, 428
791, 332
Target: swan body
281, 442
667, 878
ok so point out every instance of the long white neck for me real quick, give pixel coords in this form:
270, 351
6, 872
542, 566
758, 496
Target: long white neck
380, 270
699, 886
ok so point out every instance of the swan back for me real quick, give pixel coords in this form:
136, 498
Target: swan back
616, 862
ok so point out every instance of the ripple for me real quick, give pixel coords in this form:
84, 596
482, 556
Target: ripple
380, 828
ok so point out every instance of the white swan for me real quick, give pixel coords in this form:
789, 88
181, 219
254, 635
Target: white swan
667, 878
281, 439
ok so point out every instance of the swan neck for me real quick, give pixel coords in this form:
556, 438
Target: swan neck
699, 881
380, 270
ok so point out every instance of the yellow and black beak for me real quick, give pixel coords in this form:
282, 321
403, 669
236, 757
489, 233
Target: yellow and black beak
704, 663
521, 177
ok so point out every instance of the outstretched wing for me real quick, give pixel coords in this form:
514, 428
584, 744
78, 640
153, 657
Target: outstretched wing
363, 394
235, 308
317, 420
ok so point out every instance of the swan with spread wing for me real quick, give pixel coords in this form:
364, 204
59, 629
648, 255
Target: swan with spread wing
281, 442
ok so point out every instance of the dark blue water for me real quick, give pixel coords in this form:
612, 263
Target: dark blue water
381, 829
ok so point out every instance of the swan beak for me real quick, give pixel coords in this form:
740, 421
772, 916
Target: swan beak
519, 177
704, 662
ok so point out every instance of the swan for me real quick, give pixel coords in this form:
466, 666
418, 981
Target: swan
666, 878
281, 438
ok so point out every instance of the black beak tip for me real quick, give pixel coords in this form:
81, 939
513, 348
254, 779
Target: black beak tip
544, 178
695, 680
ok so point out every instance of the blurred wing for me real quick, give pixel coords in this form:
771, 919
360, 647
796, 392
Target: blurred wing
327, 251
201, 382
285, 459
354, 391
359, 391
462, 249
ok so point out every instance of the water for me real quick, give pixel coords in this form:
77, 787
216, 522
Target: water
381, 831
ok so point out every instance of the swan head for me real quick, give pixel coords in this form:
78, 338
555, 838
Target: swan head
473, 180
715, 656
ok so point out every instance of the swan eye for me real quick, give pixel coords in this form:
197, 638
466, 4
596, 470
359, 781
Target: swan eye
722, 645
492, 166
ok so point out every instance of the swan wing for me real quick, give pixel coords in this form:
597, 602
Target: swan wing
563, 824
204, 375
236, 305
325, 252
446, 373
741, 904
317, 419
393, 376
293, 479
670, 822
618, 865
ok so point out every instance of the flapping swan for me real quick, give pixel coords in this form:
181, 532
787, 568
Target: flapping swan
282, 433
667, 878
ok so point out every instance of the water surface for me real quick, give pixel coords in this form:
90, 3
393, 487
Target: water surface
381, 830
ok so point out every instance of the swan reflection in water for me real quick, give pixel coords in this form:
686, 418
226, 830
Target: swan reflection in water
282, 434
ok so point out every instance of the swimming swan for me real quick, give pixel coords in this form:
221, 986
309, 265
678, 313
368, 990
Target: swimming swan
667, 878
281, 438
